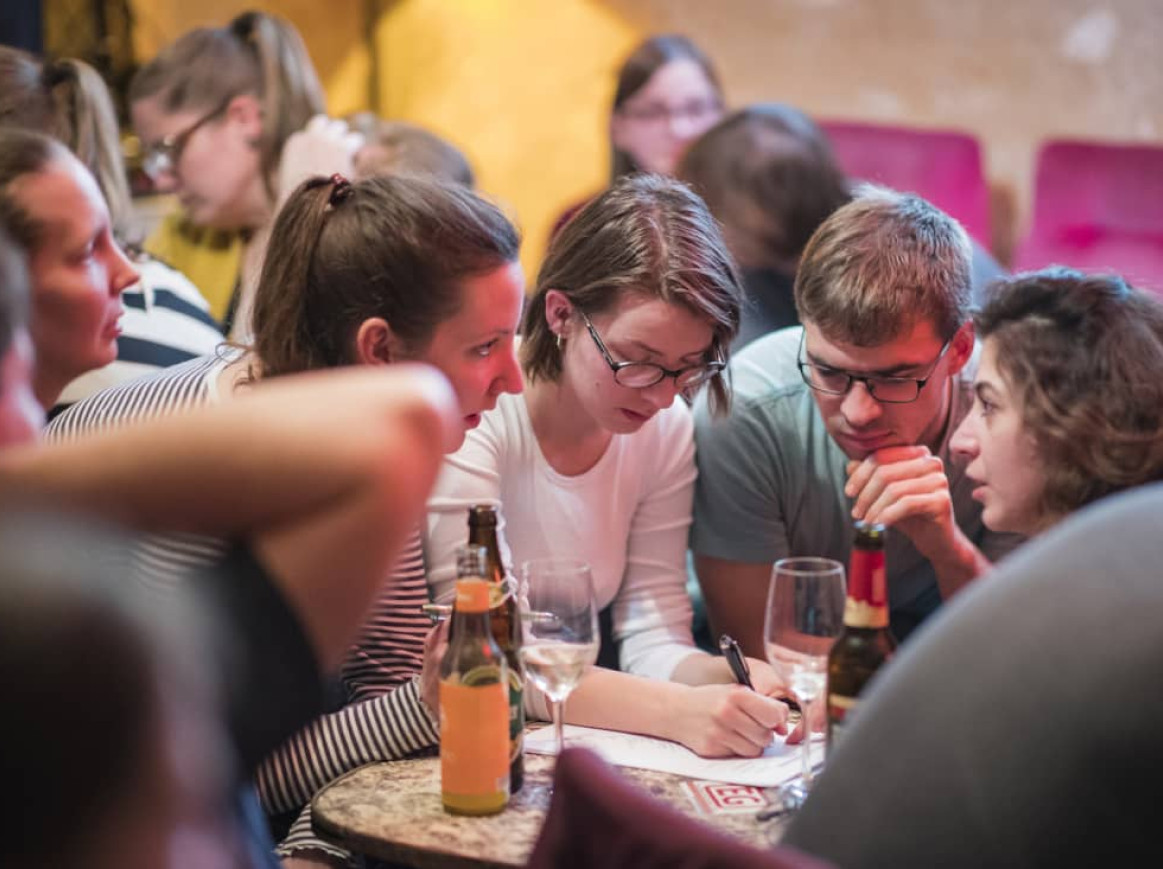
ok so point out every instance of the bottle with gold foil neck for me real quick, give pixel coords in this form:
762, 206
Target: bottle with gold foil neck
866, 641
474, 700
506, 621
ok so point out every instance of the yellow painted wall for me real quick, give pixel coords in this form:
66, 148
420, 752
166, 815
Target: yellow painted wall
520, 86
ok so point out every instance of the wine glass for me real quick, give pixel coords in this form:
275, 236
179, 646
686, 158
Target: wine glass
805, 613
561, 629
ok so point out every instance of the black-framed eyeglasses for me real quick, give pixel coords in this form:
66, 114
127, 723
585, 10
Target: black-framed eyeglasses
639, 375
162, 157
888, 390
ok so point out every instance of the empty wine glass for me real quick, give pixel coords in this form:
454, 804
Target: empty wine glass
805, 613
561, 630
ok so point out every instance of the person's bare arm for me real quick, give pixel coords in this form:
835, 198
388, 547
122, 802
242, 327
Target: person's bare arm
736, 596
324, 473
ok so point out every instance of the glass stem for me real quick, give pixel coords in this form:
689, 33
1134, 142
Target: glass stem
558, 724
806, 746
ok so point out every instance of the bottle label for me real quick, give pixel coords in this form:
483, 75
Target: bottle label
474, 738
861, 614
867, 580
516, 713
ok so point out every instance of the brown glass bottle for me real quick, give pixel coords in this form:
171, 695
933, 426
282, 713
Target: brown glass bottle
866, 641
506, 622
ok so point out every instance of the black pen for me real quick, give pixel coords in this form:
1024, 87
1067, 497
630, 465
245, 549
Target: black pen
736, 661
741, 671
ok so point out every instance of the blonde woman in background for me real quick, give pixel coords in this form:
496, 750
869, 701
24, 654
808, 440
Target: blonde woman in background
230, 121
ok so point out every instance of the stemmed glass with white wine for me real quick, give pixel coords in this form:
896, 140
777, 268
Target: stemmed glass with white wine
805, 613
561, 629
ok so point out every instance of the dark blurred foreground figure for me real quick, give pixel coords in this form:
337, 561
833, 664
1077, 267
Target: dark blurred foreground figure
1021, 726
113, 744
599, 818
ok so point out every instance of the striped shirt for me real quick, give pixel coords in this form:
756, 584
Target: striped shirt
383, 718
166, 322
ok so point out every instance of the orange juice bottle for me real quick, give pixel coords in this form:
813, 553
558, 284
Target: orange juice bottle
474, 699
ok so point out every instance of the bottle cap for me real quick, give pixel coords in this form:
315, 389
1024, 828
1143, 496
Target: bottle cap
472, 596
869, 533
482, 514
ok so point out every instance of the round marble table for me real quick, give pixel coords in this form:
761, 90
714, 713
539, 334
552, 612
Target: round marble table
392, 811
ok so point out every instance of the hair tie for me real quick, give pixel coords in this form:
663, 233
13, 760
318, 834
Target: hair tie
341, 190
242, 27
56, 72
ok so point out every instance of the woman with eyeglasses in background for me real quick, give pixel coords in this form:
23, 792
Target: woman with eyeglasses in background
636, 303
667, 95
222, 115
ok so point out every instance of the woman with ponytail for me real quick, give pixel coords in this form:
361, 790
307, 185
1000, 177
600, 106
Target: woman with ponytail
166, 320
384, 270
222, 114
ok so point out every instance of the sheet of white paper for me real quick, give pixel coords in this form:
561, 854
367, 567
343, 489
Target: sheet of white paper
778, 763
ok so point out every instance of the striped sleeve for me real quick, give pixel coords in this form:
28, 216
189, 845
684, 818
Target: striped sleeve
390, 648
384, 718
387, 727
160, 562
302, 841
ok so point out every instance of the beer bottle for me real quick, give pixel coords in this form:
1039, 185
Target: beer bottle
474, 700
866, 642
506, 620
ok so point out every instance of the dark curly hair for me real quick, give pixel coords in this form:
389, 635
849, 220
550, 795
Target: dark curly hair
1083, 355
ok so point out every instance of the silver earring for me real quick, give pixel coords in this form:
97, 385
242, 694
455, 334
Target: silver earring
558, 342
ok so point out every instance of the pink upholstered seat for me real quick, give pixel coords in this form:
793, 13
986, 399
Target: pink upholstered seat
598, 818
943, 166
1098, 207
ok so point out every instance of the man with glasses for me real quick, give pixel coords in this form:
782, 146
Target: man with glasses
848, 418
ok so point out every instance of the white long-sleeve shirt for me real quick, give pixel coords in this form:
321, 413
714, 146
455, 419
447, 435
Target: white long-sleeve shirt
628, 516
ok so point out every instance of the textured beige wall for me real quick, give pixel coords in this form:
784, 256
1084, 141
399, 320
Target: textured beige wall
1013, 72
523, 86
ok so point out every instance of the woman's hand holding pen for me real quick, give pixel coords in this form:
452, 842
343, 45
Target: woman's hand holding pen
765, 680
726, 720
714, 716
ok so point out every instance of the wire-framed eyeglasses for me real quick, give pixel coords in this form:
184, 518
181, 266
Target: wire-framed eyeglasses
654, 114
888, 390
162, 157
639, 375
